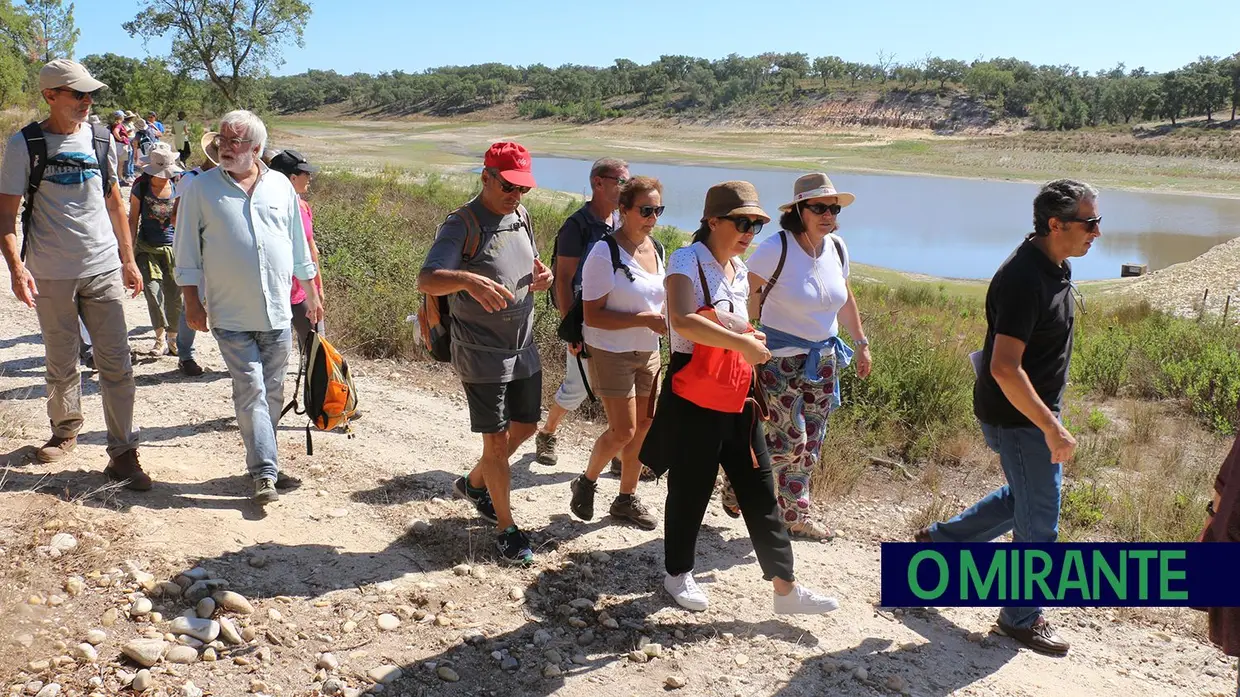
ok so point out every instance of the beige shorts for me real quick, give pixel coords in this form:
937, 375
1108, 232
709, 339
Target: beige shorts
620, 375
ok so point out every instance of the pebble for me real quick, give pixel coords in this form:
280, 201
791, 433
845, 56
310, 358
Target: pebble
551, 670
145, 652
32, 687
328, 661
577, 623
417, 526
461, 569
257, 561
976, 637
509, 663
75, 585
542, 637
446, 674
140, 607
203, 630
274, 615
248, 634
169, 589
602, 557
257, 685
197, 574
610, 623
142, 681
553, 656
228, 632
209, 655
338, 512
384, 674
241, 661
516, 594
582, 604
49, 690
95, 637
332, 687
442, 621
181, 654
26, 640
653, 650
388, 622
87, 652
741, 659
187, 640
586, 638
155, 617
897, 683
189, 689
63, 542
638, 656
348, 627
860, 673
478, 572
675, 682
233, 602
205, 608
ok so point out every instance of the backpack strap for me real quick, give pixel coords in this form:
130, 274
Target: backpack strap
839, 250
529, 226
36, 148
779, 268
617, 264
473, 232
103, 149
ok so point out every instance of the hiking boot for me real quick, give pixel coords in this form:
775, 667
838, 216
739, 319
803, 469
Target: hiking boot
56, 449
647, 474
125, 468
514, 547
284, 482
922, 536
728, 499
190, 368
481, 499
686, 591
582, 504
629, 507
617, 467
804, 601
544, 449
1041, 637
265, 491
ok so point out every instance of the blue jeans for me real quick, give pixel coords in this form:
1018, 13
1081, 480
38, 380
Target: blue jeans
1027, 506
185, 340
257, 362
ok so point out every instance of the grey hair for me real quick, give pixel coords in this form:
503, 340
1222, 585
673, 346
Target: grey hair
247, 122
606, 166
1059, 199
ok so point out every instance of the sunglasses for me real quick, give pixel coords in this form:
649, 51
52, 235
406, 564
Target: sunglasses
745, 226
1090, 224
651, 211
619, 180
506, 187
821, 208
78, 95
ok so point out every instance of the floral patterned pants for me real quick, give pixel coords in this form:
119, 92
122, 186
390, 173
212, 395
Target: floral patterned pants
799, 412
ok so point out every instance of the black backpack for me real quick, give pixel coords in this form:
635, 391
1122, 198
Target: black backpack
36, 147
584, 232
570, 329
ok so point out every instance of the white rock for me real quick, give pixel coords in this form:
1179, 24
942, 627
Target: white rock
96, 637
181, 654
516, 593
653, 650
146, 652
638, 656
675, 682
274, 615
384, 674
417, 526
189, 689
209, 655
63, 543
552, 670
388, 622
202, 630
229, 633
332, 687
142, 681
328, 661
205, 608
233, 602
187, 640
87, 652
348, 627
461, 569
338, 512
140, 607
49, 690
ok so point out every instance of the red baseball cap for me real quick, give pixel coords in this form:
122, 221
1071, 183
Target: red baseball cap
513, 163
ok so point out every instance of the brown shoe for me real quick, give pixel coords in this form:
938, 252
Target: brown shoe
1041, 637
125, 468
56, 449
923, 536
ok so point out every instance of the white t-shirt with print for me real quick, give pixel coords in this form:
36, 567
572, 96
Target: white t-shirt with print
684, 262
644, 294
809, 293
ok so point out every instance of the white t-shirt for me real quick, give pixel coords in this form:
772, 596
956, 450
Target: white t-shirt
809, 292
684, 262
644, 294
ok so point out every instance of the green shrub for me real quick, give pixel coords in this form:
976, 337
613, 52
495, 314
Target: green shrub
1096, 420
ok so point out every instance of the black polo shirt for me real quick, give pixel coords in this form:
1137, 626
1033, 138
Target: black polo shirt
1030, 299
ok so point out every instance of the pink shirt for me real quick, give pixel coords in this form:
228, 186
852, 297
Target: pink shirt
299, 294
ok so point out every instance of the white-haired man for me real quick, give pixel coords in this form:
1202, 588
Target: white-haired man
239, 233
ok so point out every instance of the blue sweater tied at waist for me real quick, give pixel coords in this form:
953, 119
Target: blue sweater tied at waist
836, 350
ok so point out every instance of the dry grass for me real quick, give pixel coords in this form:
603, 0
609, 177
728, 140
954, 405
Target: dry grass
1142, 422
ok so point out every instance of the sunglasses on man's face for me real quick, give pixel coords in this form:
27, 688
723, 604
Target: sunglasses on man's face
650, 211
1090, 224
746, 226
509, 188
620, 181
822, 208
76, 94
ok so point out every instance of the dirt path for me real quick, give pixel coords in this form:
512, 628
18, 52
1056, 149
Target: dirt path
336, 552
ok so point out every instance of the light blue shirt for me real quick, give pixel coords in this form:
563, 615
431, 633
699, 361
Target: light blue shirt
244, 249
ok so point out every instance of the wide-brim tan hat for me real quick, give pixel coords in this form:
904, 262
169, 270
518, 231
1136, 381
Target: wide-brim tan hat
816, 185
733, 198
161, 161
210, 147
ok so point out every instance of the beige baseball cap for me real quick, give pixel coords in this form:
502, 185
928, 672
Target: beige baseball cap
63, 72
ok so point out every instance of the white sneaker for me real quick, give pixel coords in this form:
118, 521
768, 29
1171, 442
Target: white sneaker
686, 591
804, 601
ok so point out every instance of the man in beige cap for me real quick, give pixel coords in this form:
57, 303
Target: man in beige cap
76, 260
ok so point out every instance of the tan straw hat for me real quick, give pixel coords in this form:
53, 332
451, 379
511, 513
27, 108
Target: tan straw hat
161, 161
816, 185
733, 198
210, 148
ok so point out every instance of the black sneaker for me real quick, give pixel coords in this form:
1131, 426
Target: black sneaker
514, 547
1041, 637
190, 368
630, 508
481, 499
544, 449
582, 504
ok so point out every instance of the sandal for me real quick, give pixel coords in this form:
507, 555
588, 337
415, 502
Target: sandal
730, 505
810, 530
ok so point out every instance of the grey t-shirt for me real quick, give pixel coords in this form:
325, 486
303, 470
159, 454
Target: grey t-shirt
490, 347
70, 232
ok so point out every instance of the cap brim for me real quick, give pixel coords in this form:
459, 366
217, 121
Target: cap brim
311, 169
519, 178
85, 84
844, 198
165, 172
751, 210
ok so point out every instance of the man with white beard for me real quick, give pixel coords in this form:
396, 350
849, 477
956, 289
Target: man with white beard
239, 233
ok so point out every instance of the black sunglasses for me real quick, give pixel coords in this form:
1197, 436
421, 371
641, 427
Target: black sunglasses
745, 226
505, 186
821, 208
1090, 223
619, 180
649, 211
78, 95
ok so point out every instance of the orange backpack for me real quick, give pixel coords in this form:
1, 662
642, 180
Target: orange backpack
330, 399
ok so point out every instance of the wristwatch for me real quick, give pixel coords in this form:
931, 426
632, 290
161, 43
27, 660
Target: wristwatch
1210, 507
862, 342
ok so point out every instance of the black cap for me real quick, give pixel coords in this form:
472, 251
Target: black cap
291, 162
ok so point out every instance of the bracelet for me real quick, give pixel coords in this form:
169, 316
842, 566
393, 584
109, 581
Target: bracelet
1210, 508
862, 342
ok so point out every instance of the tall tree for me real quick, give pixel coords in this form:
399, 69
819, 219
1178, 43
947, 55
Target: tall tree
14, 39
52, 31
230, 42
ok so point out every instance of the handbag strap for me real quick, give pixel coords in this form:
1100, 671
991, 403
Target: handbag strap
705, 286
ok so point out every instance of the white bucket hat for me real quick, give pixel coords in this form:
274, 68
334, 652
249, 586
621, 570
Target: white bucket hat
161, 161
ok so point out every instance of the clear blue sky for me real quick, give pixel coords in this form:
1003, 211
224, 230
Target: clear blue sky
411, 35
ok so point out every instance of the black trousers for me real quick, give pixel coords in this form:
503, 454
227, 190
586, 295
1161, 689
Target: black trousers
694, 442
185, 152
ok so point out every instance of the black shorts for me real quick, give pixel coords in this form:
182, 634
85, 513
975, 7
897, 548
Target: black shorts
492, 406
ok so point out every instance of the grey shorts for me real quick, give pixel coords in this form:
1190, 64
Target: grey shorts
493, 406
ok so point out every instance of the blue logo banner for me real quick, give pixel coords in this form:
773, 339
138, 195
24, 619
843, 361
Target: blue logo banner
1191, 574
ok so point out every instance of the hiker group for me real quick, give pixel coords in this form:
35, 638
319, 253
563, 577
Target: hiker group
754, 343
